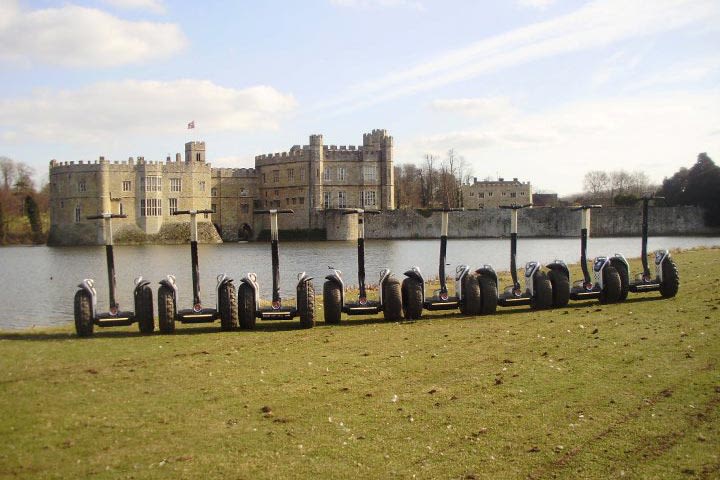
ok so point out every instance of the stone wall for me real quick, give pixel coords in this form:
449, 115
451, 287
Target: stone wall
537, 222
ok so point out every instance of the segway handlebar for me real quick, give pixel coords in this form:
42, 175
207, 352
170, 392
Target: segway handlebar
284, 210
515, 206
190, 212
350, 211
106, 215
585, 207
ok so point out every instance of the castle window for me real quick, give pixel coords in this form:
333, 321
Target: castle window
264, 178
302, 174
301, 200
369, 198
77, 214
490, 194
62, 204
127, 186
328, 173
175, 184
276, 192
172, 202
276, 176
326, 200
197, 157
201, 186
122, 210
244, 208
82, 186
151, 183
341, 173
291, 174
294, 200
213, 192
522, 193
151, 207
481, 194
342, 199
213, 207
513, 194
369, 173
472, 194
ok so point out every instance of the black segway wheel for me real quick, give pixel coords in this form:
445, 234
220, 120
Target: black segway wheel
166, 309
144, 310
306, 304
471, 296
624, 279
412, 298
488, 294
671, 279
542, 298
392, 300
83, 314
228, 303
332, 302
246, 306
560, 284
612, 288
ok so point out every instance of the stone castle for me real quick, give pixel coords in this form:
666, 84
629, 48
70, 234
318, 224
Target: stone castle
309, 179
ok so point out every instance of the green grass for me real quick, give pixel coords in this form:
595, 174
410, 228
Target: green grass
588, 391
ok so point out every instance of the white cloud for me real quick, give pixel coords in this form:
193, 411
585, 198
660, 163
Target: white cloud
541, 4
155, 6
77, 36
487, 107
682, 73
379, 4
103, 111
597, 24
554, 148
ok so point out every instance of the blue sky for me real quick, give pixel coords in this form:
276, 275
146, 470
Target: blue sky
543, 90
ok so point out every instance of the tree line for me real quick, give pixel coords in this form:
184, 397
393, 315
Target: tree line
22, 206
435, 183
698, 185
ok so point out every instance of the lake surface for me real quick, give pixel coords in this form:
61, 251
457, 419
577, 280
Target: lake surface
37, 284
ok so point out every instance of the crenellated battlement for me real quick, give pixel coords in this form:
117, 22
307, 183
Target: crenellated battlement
234, 172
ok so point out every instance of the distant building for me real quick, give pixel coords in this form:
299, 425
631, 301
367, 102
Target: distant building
494, 193
545, 200
307, 179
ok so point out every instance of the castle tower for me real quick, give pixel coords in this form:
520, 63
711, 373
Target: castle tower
195, 152
317, 158
381, 142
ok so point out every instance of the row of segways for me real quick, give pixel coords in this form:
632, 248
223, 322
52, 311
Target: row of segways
231, 312
476, 291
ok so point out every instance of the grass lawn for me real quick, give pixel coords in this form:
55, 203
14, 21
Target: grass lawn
588, 391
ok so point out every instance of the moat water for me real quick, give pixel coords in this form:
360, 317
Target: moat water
37, 284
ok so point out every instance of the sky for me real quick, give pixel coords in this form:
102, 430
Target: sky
542, 90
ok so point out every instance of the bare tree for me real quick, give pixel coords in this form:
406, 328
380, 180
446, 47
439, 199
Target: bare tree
596, 182
7, 169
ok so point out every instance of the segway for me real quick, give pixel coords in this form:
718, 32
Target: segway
249, 290
666, 279
86, 313
475, 293
226, 307
605, 286
389, 301
538, 289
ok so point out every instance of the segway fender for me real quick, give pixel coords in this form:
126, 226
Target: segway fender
303, 278
251, 279
222, 280
169, 282
384, 275
531, 269
415, 273
337, 279
461, 272
88, 285
599, 265
619, 259
560, 266
660, 257
489, 271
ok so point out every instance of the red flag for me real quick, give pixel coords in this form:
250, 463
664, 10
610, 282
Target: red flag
191, 125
